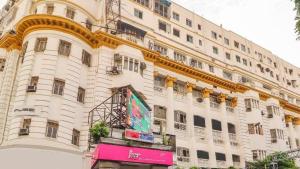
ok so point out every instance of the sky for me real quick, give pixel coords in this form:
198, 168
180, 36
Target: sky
268, 23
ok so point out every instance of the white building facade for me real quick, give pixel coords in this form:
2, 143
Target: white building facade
227, 100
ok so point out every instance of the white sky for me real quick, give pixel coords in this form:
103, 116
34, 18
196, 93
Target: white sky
269, 23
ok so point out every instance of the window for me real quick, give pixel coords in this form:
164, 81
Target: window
189, 22
199, 27
50, 9
176, 32
243, 47
70, 13
251, 104
58, 87
160, 112
200, 42
51, 129
228, 56
64, 48
231, 128
40, 44
214, 35
138, 13
176, 16
160, 49
236, 44
199, 121
2, 64
25, 127
183, 154
80, 95
255, 129
179, 57
211, 69
226, 41
88, 24
258, 154
143, 2
273, 136
227, 75
12, 15
195, 63
33, 84
162, 26
202, 154
273, 110
238, 58
216, 125
220, 157
75, 137
236, 158
24, 49
189, 38
162, 8
245, 62
86, 58
180, 120
215, 50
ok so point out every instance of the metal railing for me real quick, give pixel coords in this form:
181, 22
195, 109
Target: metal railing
218, 137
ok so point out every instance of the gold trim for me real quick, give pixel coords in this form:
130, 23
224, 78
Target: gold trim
296, 121
33, 23
234, 102
222, 97
288, 118
189, 87
206, 92
170, 81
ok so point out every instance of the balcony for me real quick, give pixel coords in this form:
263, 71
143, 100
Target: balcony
203, 162
214, 105
229, 109
218, 137
221, 164
180, 126
159, 90
183, 159
233, 139
200, 134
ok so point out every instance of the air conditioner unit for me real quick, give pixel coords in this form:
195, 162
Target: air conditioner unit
117, 57
31, 88
200, 99
143, 65
24, 131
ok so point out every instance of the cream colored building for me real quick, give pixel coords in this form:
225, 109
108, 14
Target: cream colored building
225, 98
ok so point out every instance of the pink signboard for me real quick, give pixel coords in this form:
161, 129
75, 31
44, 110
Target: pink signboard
108, 152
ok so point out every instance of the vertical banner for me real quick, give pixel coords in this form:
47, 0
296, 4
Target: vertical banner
138, 115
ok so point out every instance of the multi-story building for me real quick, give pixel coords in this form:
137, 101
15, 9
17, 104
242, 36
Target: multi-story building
227, 100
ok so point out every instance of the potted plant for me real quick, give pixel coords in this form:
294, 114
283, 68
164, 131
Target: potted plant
99, 130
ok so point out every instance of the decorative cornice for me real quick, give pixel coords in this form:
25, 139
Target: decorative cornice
206, 92
189, 87
296, 121
33, 23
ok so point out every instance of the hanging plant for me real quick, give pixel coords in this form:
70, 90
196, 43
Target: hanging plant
99, 130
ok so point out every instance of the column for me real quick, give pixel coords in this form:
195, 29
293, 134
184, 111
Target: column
223, 112
190, 123
289, 120
170, 107
296, 123
211, 147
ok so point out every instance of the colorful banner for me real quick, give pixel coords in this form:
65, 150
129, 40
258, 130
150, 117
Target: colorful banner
139, 117
107, 152
138, 136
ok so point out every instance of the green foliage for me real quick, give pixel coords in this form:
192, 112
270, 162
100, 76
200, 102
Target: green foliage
297, 18
193, 167
231, 167
284, 162
98, 130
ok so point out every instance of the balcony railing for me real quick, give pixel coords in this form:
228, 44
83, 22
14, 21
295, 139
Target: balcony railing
183, 159
180, 126
229, 109
218, 137
214, 105
233, 139
159, 90
203, 162
180, 96
221, 164
200, 133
